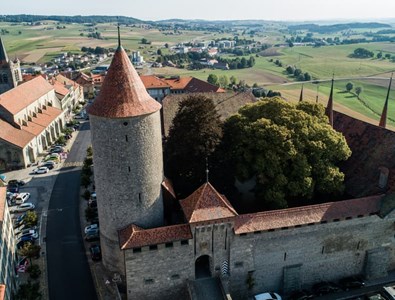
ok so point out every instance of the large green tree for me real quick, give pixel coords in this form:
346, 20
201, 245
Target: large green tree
290, 150
193, 137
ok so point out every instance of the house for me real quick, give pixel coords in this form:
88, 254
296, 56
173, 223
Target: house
156, 87
221, 66
181, 85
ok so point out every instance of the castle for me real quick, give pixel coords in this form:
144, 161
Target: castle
281, 250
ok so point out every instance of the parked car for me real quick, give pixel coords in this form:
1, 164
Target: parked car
267, 296
23, 207
13, 189
10, 196
56, 150
47, 165
90, 237
22, 198
352, 282
91, 227
324, 287
15, 182
92, 231
95, 252
30, 233
27, 237
26, 230
41, 170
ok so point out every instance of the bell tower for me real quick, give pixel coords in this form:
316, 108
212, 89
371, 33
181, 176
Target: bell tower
10, 71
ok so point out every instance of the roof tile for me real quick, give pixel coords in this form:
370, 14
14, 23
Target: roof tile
206, 204
122, 94
277, 219
14, 135
134, 236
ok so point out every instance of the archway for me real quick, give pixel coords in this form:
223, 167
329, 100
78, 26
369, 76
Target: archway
202, 267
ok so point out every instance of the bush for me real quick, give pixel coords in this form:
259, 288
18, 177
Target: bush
61, 140
85, 180
89, 151
86, 171
86, 195
88, 162
34, 271
90, 213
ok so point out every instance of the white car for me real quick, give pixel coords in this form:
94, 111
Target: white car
21, 198
23, 207
41, 170
91, 227
267, 296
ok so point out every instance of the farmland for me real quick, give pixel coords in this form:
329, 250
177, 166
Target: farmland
41, 43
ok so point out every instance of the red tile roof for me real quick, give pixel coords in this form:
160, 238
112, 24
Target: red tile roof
14, 135
326, 212
122, 94
134, 236
168, 186
39, 123
151, 81
192, 85
60, 88
3, 193
23, 95
206, 204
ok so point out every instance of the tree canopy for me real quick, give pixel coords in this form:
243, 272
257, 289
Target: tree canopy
290, 150
194, 135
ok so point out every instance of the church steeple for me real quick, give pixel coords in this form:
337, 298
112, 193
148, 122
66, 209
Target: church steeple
301, 94
329, 107
383, 119
3, 53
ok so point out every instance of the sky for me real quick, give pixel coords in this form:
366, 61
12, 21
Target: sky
281, 10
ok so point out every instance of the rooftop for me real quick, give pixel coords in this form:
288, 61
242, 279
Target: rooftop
326, 212
192, 85
122, 94
206, 204
134, 236
39, 123
151, 81
14, 135
25, 94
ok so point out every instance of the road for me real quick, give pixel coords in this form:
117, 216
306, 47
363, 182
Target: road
69, 276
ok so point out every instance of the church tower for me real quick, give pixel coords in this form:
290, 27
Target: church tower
10, 71
127, 156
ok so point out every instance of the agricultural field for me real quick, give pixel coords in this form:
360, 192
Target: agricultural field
39, 44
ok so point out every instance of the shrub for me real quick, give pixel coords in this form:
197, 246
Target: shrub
85, 180
86, 195
90, 213
34, 271
31, 219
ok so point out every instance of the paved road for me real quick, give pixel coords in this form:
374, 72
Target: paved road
69, 276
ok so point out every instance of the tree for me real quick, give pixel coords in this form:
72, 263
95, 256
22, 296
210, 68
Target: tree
30, 251
297, 72
387, 55
30, 219
379, 55
307, 76
28, 291
358, 90
349, 86
194, 135
159, 52
213, 79
223, 81
290, 150
290, 70
362, 53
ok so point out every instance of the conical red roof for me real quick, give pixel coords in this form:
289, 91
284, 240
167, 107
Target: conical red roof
122, 94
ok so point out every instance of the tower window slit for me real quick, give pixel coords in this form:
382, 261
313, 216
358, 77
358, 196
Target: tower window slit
126, 138
129, 169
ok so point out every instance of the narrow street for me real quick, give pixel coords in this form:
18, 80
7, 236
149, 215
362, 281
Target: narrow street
69, 276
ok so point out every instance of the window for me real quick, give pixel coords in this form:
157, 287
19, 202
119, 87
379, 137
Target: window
184, 242
238, 264
136, 250
175, 276
148, 281
153, 247
169, 245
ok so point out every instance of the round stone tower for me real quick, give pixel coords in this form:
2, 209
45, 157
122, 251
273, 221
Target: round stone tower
127, 156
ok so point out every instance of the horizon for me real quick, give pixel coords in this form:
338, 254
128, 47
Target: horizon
221, 10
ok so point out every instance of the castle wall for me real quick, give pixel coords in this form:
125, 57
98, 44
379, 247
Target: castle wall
127, 154
159, 273
284, 260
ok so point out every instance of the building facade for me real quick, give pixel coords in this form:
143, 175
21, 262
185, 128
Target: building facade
8, 254
10, 71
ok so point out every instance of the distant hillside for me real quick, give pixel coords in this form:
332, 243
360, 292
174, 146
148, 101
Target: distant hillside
70, 19
336, 27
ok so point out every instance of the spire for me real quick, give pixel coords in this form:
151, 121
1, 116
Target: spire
329, 107
3, 53
301, 94
383, 119
207, 170
119, 37
123, 94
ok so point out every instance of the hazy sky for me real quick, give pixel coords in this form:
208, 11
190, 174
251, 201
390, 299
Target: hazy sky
210, 9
